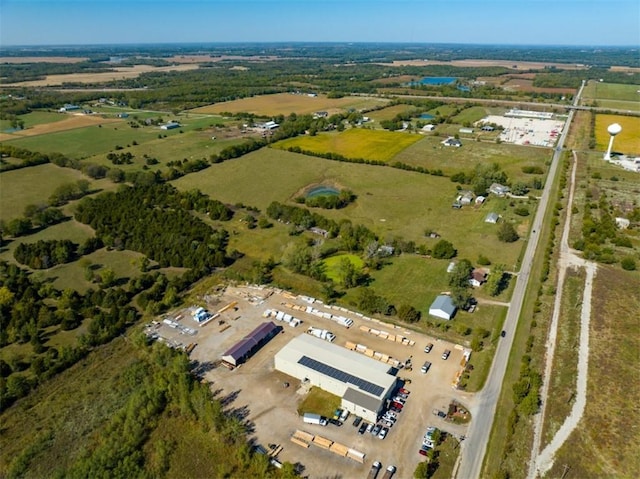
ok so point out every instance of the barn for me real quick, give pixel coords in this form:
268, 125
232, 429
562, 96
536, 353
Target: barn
364, 384
443, 307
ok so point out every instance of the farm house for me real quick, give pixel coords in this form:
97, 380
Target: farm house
364, 384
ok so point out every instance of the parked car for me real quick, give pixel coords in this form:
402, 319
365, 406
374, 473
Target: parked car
425, 367
363, 428
396, 406
376, 429
344, 415
428, 348
404, 391
446, 354
440, 414
387, 423
357, 421
383, 433
423, 450
335, 422
395, 409
399, 399
370, 427
391, 414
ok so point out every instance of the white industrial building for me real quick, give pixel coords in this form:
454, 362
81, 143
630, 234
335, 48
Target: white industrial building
364, 384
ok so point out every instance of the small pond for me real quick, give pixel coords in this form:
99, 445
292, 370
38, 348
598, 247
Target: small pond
322, 190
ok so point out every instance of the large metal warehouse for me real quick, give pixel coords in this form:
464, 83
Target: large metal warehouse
364, 384
248, 345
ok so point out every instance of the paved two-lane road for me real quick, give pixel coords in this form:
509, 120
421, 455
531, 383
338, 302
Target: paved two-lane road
484, 408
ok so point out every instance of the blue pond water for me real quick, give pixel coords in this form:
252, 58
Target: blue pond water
426, 116
438, 80
322, 191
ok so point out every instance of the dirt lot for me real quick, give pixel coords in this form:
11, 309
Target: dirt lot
256, 392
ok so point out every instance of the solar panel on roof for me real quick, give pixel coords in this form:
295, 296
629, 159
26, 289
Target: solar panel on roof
341, 375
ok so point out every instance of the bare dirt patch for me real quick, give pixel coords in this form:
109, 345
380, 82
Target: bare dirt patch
75, 121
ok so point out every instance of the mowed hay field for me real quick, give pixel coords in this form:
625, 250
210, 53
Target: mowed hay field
627, 141
70, 122
355, 143
390, 201
31, 186
614, 95
286, 103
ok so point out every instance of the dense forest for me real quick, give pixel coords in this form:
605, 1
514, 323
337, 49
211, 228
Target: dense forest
156, 221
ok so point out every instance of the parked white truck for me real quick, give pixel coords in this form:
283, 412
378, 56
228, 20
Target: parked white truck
322, 334
311, 418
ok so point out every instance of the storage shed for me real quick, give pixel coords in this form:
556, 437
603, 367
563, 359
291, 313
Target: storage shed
443, 307
248, 345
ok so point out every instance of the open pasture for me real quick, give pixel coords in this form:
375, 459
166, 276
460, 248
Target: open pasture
471, 115
84, 142
34, 118
355, 143
430, 153
613, 95
71, 275
286, 103
64, 123
391, 202
31, 186
627, 141
390, 112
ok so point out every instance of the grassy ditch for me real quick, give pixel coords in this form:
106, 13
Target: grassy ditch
562, 386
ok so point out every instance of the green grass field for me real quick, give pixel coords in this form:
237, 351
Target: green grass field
430, 153
32, 185
332, 265
85, 142
390, 112
389, 201
471, 115
34, 118
613, 95
354, 143
319, 401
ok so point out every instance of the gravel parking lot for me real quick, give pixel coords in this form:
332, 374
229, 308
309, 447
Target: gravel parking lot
257, 393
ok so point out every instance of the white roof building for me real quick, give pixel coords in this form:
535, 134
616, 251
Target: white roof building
363, 383
443, 307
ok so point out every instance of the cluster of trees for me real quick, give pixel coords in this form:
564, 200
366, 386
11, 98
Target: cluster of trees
69, 191
153, 220
125, 158
329, 202
507, 233
28, 308
600, 234
44, 254
180, 168
481, 178
35, 216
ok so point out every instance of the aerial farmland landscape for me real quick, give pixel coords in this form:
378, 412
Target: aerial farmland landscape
269, 242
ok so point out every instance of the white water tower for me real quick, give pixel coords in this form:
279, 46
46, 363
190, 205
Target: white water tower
613, 130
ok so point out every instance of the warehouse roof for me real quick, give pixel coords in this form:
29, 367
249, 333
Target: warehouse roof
357, 371
364, 400
251, 341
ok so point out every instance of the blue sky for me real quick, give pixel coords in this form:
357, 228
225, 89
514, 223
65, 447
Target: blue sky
517, 22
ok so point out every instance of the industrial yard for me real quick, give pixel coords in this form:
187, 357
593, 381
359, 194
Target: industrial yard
268, 399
